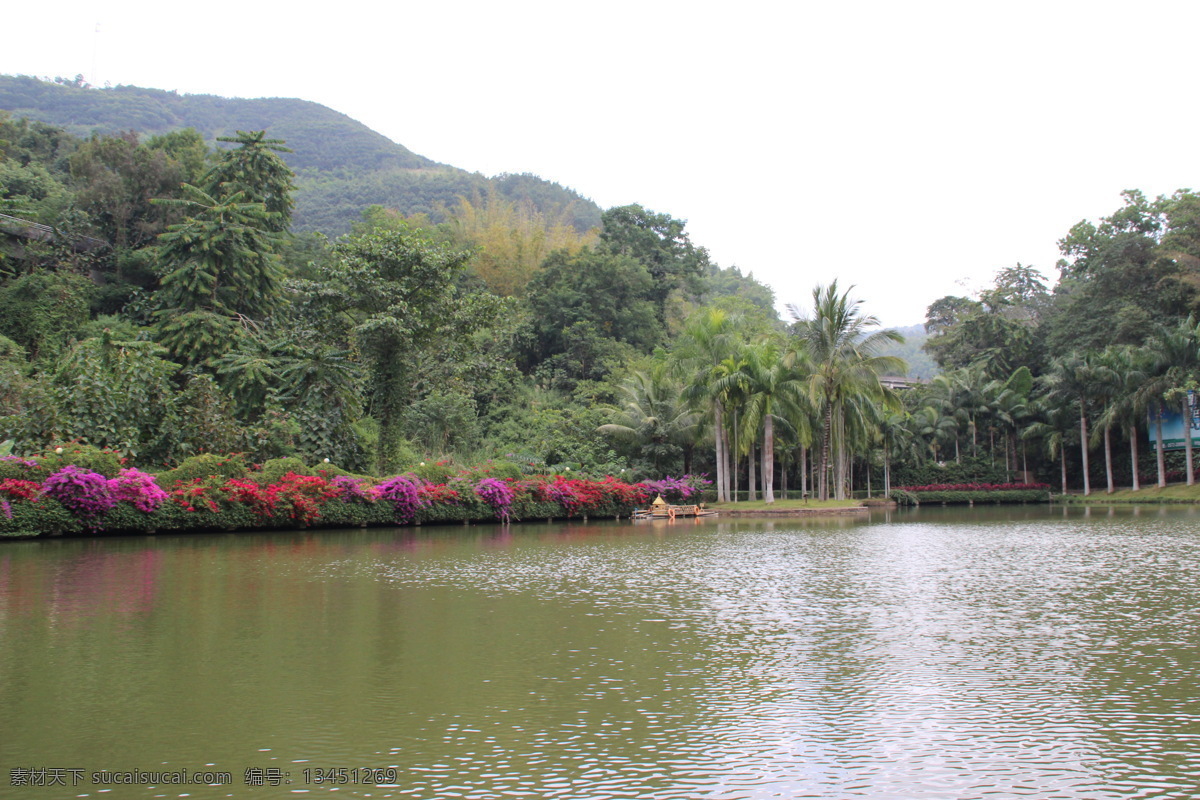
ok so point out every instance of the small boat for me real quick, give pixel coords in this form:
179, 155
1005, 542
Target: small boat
661, 509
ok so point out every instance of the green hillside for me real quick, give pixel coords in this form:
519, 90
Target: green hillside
920, 365
342, 165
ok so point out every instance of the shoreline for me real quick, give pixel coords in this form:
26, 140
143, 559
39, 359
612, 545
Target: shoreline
796, 512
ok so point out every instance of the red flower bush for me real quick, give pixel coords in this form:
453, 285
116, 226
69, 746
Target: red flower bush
15, 489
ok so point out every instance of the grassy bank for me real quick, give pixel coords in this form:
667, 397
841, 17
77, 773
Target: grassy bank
1172, 493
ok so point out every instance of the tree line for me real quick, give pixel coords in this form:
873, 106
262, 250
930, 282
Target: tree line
493, 329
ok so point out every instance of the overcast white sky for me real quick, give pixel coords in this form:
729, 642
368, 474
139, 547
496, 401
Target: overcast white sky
912, 149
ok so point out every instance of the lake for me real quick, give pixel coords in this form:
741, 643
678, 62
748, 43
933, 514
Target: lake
1024, 651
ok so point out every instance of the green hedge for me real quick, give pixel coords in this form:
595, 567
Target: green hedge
964, 497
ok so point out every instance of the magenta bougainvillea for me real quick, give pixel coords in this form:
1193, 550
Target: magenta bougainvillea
497, 494
139, 489
85, 493
678, 490
353, 489
89, 496
404, 494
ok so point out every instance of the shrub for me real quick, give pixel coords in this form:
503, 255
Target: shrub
438, 472
957, 497
86, 494
274, 470
678, 490
138, 489
497, 494
403, 493
205, 465
21, 469
84, 456
353, 489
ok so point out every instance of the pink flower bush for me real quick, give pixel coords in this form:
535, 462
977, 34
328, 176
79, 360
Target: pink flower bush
139, 489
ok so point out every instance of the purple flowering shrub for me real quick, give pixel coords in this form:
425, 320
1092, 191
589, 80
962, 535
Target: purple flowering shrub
404, 494
497, 494
138, 489
353, 490
85, 493
678, 490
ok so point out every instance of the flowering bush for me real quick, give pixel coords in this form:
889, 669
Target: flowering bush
300, 495
625, 493
353, 489
249, 494
20, 490
85, 493
404, 494
138, 489
135, 501
678, 490
438, 494
194, 495
497, 494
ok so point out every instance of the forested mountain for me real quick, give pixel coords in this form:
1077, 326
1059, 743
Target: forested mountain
341, 165
921, 365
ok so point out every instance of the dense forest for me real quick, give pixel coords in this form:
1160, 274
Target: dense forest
157, 298
165, 308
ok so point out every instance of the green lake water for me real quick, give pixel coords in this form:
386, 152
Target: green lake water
985, 653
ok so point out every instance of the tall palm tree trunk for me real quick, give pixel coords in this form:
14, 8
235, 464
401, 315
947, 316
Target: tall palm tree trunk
804, 488
1108, 470
752, 482
736, 466
722, 466
768, 456
1160, 458
1133, 456
887, 471
1187, 440
1062, 451
826, 435
1083, 448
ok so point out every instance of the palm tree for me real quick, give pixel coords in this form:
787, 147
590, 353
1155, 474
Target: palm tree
653, 417
935, 428
1128, 406
842, 347
772, 382
1008, 406
1174, 368
1053, 429
895, 435
701, 354
1072, 379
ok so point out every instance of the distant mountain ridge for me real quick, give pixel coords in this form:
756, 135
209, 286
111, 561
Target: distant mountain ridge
342, 166
921, 365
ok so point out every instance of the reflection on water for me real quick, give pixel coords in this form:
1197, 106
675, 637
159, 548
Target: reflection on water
1027, 652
